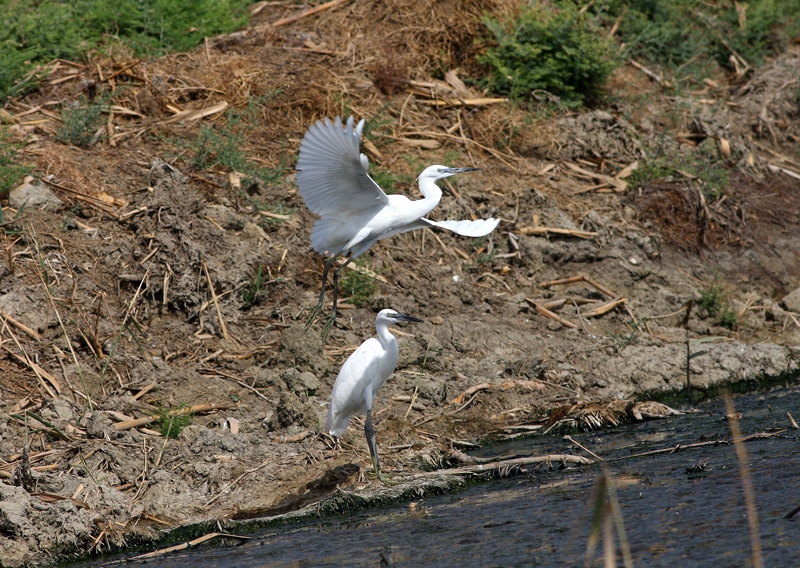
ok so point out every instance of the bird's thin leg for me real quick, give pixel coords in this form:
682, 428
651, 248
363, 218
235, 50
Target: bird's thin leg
318, 308
329, 324
369, 431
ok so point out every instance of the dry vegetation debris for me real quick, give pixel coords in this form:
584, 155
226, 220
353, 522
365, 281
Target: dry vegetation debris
168, 282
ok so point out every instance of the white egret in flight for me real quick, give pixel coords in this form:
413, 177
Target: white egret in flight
360, 379
354, 211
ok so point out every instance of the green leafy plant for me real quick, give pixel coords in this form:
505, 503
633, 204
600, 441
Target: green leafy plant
170, 423
711, 300
358, 285
11, 170
551, 47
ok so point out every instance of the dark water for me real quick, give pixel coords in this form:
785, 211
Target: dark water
684, 508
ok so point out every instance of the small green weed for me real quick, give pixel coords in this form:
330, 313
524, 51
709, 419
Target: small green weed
630, 337
704, 163
221, 146
250, 293
483, 257
358, 286
225, 145
384, 178
268, 223
713, 302
729, 318
81, 123
551, 47
172, 422
11, 170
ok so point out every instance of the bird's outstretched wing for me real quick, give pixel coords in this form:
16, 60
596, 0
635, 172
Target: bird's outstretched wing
477, 228
466, 228
332, 174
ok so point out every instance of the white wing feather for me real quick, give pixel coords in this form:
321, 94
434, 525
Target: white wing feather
332, 174
467, 228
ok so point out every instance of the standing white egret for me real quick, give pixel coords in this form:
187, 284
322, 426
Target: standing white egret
354, 211
360, 379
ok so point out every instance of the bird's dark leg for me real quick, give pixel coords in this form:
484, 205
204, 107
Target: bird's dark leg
329, 324
317, 309
369, 431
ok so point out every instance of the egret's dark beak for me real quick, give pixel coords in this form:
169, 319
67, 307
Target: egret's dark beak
454, 171
403, 317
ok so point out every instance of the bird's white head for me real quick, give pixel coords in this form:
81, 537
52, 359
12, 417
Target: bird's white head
440, 172
389, 317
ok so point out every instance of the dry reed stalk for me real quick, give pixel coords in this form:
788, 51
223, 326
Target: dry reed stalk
20, 326
556, 231
309, 12
40, 373
547, 313
216, 303
747, 483
185, 545
605, 308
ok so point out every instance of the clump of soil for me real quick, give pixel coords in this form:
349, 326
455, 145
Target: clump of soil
598, 135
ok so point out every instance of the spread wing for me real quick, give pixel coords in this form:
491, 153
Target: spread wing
466, 228
332, 174
477, 228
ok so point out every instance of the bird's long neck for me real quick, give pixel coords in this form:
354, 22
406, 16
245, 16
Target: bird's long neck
385, 336
431, 194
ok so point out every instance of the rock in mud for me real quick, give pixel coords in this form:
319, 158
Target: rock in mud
34, 197
791, 301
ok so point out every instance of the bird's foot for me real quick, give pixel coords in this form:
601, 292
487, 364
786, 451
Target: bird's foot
328, 326
385, 480
376, 471
314, 314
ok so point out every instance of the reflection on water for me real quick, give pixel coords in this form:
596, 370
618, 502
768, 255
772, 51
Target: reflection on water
684, 508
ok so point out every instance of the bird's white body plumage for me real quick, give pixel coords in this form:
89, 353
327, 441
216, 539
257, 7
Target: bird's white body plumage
354, 211
362, 376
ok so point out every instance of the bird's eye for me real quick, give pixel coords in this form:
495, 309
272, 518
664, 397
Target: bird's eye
439, 170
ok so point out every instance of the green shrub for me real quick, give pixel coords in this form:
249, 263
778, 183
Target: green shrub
551, 47
692, 33
35, 32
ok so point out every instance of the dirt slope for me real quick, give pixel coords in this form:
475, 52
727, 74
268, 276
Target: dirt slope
130, 289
